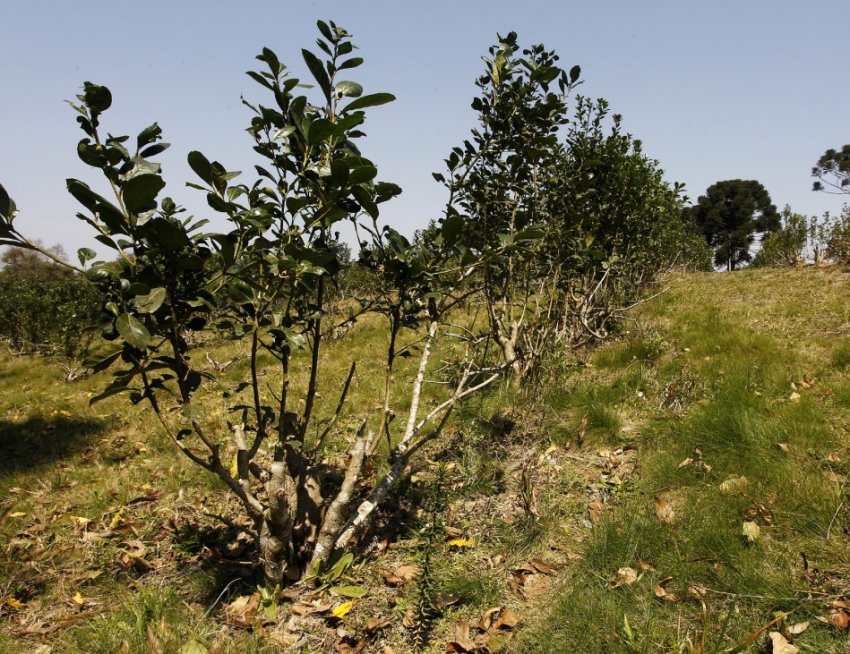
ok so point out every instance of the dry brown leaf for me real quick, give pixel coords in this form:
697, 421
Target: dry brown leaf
662, 593
374, 625
386, 649
447, 600
409, 619
301, 609
390, 577
780, 644
750, 531
348, 645
543, 567
279, 637
508, 619
453, 531
685, 463
153, 642
242, 611
407, 572
525, 568
797, 629
646, 566
624, 577
833, 457
664, 511
595, 507
516, 583
839, 619
794, 397
488, 618
135, 547
462, 641
734, 484
784, 447
697, 592
582, 429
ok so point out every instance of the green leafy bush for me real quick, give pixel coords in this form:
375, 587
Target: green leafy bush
46, 308
838, 241
268, 279
785, 246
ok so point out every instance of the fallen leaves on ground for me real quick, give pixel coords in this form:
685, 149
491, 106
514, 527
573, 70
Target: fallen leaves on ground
461, 542
840, 616
595, 508
242, 611
734, 484
400, 576
750, 531
797, 629
490, 629
780, 644
662, 593
343, 609
625, 577
664, 510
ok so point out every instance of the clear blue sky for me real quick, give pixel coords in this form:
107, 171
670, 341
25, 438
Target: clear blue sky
716, 90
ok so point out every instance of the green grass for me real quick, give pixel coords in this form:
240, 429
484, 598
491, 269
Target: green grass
745, 424
757, 363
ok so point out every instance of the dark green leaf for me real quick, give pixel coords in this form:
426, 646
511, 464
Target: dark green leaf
451, 229
85, 254
271, 59
5, 203
139, 193
530, 234
373, 100
318, 71
350, 63
362, 174
150, 302
201, 165
317, 130
325, 30
260, 79
132, 331
148, 135
97, 97
154, 150
362, 196
167, 234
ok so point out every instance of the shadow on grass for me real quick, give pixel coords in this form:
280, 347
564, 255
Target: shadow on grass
41, 440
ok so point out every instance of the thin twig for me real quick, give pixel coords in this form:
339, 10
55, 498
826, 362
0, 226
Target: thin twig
837, 511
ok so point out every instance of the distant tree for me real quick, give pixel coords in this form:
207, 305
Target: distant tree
29, 265
833, 171
838, 239
820, 230
728, 216
784, 247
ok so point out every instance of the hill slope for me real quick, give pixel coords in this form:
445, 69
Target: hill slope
677, 490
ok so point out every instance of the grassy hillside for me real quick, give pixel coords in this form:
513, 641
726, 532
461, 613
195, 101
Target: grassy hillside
679, 489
